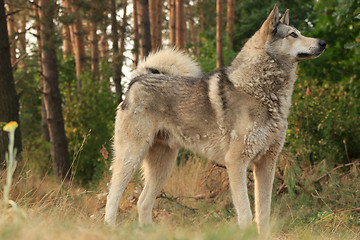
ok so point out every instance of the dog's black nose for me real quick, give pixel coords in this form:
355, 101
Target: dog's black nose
322, 43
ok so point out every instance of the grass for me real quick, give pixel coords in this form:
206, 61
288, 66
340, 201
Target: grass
308, 203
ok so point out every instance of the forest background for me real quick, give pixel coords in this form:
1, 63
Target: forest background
64, 69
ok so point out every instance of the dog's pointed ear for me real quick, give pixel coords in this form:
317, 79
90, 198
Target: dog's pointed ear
270, 23
285, 17
273, 19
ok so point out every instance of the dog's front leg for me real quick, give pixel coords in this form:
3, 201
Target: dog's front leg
264, 172
237, 164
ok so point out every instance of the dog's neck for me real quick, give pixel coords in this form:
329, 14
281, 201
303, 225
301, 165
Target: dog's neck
268, 80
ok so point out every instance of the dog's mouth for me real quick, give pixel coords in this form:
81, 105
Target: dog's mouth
309, 55
303, 55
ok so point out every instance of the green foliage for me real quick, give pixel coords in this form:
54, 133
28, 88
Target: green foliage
89, 115
337, 23
325, 123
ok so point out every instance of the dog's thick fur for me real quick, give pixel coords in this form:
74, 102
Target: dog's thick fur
236, 116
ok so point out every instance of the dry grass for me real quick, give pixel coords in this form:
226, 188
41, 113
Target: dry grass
195, 204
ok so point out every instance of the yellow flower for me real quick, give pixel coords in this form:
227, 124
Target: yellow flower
11, 126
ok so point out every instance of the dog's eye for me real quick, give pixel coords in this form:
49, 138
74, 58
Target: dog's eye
294, 35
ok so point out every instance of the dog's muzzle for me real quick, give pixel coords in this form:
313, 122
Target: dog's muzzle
317, 52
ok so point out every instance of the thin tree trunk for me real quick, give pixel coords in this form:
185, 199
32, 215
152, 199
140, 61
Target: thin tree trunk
180, 19
66, 38
51, 93
136, 32
22, 41
94, 43
12, 30
230, 21
192, 30
145, 36
116, 57
44, 125
172, 22
219, 45
9, 104
77, 39
67, 48
104, 47
122, 41
155, 12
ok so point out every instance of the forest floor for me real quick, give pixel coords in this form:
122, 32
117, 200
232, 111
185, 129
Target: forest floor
195, 204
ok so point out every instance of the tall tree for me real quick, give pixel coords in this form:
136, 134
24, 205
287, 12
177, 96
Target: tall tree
192, 29
219, 44
136, 32
51, 93
155, 11
12, 30
98, 10
122, 38
9, 104
94, 45
172, 22
104, 46
77, 39
144, 29
180, 24
37, 18
66, 37
230, 22
115, 49
22, 40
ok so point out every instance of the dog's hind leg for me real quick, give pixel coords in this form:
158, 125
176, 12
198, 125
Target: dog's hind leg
124, 166
131, 143
264, 172
158, 165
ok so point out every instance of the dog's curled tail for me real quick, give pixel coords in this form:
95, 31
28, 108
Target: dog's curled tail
170, 62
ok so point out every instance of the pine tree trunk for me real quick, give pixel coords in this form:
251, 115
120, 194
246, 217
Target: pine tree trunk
22, 42
136, 32
230, 21
116, 57
180, 20
104, 47
122, 42
12, 30
66, 38
219, 45
51, 93
192, 30
145, 36
172, 22
9, 104
94, 45
155, 12
22, 39
77, 40
44, 125
67, 48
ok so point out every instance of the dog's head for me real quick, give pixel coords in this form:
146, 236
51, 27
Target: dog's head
282, 41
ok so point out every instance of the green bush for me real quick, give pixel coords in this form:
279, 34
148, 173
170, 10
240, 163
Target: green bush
324, 123
89, 116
